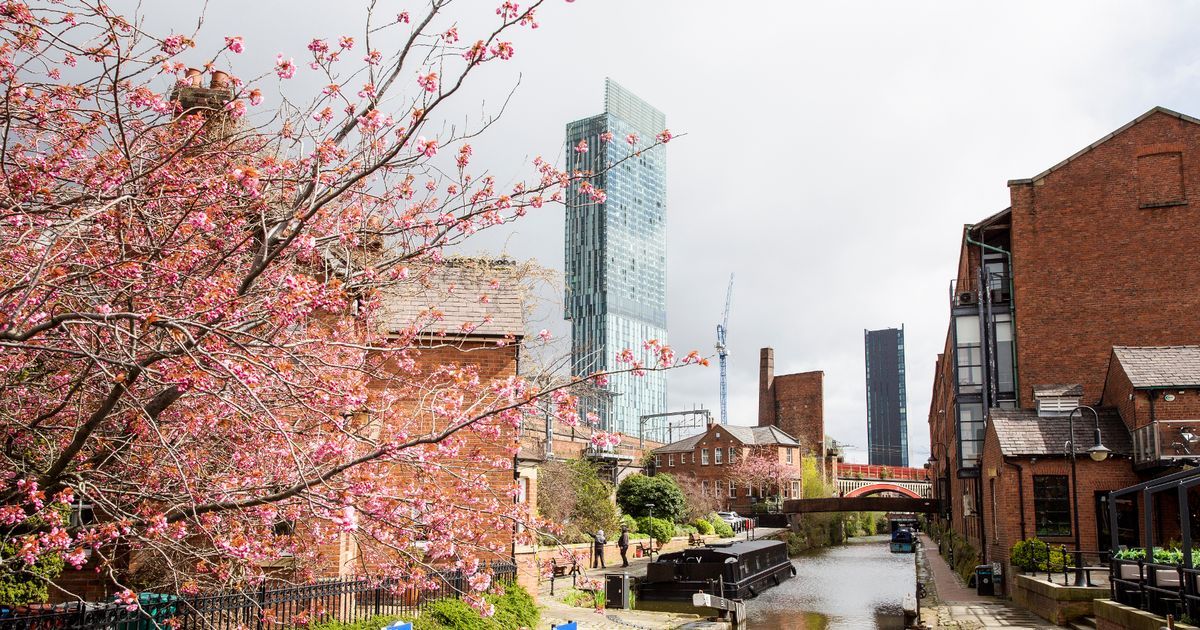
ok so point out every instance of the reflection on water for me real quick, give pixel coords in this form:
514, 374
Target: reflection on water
859, 585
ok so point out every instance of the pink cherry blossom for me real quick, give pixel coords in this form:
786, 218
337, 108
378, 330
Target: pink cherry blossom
428, 82
285, 68
234, 44
632, 139
582, 147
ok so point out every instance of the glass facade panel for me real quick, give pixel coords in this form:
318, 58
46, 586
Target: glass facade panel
970, 433
968, 354
615, 256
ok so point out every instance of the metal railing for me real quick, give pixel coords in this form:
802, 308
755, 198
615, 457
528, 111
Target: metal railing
998, 289
1166, 441
1161, 589
268, 607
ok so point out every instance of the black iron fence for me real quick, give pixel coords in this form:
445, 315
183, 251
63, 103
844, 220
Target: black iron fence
1162, 589
270, 606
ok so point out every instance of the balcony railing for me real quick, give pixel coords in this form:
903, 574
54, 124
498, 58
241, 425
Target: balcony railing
1166, 442
998, 290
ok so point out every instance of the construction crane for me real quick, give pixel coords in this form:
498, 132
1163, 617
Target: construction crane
723, 354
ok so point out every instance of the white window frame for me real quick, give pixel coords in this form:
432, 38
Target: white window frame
671, 460
790, 456
703, 457
732, 455
703, 487
732, 489
657, 460
718, 455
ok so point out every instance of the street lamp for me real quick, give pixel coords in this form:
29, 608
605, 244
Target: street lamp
650, 511
1098, 452
933, 460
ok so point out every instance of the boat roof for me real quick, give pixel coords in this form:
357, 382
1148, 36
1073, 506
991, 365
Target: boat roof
731, 550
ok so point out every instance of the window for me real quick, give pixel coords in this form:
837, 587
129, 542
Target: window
732, 455
703, 457
732, 490
658, 461
671, 459
762, 490
970, 434
683, 458
704, 488
796, 489
1052, 505
717, 452
790, 456
786, 494
968, 354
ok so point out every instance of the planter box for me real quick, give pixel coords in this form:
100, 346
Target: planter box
1130, 572
1166, 578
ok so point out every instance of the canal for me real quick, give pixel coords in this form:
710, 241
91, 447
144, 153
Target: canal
857, 585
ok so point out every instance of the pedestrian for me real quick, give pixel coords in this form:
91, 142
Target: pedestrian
623, 545
598, 548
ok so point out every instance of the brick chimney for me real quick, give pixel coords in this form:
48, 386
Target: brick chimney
209, 101
766, 387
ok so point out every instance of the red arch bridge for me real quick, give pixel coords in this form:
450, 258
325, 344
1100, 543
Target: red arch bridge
864, 488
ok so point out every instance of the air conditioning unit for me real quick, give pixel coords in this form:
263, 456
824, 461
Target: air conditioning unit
967, 298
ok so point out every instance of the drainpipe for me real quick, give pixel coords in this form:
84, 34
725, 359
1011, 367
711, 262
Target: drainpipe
1012, 310
1020, 491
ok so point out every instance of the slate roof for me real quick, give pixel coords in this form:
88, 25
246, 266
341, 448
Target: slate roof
750, 436
1058, 390
1160, 366
1022, 432
458, 297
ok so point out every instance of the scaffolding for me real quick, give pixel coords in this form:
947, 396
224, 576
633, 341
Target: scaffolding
664, 429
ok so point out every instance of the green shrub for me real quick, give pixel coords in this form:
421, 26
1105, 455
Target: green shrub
660, 529
720, 527
1037, 555
636, 492
514, 609
1161, 556
372, 623
629, 522
583, 598
703, 526
684, 530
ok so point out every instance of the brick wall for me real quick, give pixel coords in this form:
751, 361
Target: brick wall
690, 468
493, 362
1101, 259
792, 402
1003, 507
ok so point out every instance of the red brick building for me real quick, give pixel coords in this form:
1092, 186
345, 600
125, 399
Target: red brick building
794, 403
1057, 302
710, 460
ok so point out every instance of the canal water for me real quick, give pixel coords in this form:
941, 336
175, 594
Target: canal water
859, 585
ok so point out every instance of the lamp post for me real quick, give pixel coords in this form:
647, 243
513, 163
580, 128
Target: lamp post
650, 512
1098, 452
946, 512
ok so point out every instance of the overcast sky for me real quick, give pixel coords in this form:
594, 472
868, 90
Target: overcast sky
833, 152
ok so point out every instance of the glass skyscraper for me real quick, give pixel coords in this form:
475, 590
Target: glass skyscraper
887, 409
616, 255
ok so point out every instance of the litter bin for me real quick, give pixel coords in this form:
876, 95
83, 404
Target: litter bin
985, 580
616, 590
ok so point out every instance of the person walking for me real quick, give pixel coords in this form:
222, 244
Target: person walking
598, 548
623, 545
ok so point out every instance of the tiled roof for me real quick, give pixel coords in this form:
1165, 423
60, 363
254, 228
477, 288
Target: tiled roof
459, 297
1058, 390
685, 445
750, 436
1160, 366
1022, 432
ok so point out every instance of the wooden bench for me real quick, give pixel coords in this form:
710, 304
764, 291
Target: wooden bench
646, 549
695, 541
563, 570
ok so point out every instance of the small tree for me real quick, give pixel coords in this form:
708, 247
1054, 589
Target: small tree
699, 504
572, 494
637, 492
757, 469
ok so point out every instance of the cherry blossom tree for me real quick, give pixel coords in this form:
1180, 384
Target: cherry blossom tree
760, 468
191, 289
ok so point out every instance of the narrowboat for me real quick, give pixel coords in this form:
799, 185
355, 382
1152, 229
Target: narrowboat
738, 570
903, 541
